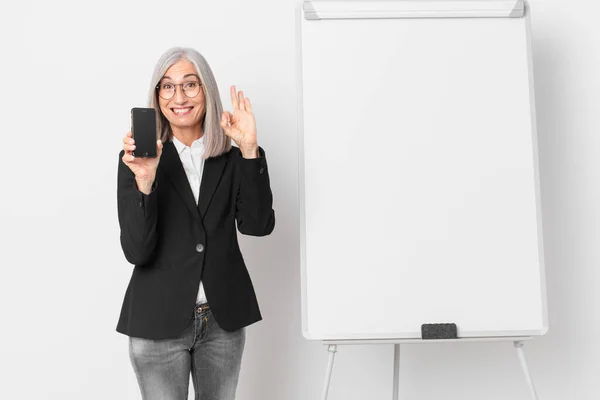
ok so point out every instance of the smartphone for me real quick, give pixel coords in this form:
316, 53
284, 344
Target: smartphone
143, 131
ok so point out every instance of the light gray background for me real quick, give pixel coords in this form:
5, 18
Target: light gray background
70, 73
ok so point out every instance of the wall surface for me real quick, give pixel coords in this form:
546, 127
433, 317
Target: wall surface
71, 71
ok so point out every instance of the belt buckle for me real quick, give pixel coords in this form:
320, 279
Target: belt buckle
201, 308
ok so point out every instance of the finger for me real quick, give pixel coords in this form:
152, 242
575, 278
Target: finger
225, 118
159, 147
234, 100
128, 158
241, 100
226, 130
248, 105
128, 143
229, 117
128, 140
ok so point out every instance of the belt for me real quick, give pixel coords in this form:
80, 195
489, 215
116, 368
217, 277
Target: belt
200, 308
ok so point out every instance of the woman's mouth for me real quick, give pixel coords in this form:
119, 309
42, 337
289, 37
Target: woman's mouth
180, 111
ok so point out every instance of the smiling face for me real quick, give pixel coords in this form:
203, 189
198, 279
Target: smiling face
182, 112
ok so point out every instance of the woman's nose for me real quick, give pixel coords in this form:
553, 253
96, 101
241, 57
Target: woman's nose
179, 96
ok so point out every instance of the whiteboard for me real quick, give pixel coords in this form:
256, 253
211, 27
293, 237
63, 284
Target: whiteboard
419, 186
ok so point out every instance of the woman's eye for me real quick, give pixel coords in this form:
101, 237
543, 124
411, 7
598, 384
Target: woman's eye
191, 85
167, 86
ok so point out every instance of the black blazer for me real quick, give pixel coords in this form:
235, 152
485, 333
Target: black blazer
174, 244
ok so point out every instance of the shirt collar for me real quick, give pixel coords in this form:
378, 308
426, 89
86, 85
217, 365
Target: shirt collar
180, 146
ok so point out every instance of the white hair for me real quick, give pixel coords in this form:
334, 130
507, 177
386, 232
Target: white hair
215, 141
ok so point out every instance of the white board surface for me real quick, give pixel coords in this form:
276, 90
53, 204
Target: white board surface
419, 189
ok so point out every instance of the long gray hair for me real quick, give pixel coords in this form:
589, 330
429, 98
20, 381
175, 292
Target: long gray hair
215, 141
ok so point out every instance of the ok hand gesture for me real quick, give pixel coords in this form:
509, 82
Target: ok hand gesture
240, 125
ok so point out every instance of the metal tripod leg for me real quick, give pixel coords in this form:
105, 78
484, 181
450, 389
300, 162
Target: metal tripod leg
332, 348
396, 391
521, 354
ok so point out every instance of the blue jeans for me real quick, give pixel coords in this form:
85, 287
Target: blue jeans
211, 355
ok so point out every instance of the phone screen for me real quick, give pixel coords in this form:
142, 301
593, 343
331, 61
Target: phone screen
143, 130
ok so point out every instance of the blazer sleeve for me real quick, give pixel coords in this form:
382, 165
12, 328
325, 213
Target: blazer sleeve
254, 205
138, 214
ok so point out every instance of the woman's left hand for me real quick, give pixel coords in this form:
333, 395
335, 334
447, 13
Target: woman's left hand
240, 125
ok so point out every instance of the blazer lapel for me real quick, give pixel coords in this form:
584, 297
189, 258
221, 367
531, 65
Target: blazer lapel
171, 163
213, 170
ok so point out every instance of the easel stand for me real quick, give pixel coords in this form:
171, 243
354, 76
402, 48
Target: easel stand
332, 348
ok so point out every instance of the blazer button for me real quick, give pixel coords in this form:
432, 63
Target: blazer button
261, 170
199, 248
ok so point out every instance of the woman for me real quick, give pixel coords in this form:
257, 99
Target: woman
190, 296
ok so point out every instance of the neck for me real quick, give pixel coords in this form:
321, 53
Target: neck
187, 134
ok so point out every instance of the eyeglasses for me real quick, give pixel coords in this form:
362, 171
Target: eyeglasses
167, 90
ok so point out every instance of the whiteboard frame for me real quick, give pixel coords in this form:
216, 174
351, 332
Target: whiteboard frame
328, 9
479, 336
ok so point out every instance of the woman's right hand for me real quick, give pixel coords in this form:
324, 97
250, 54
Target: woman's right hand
144, 169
